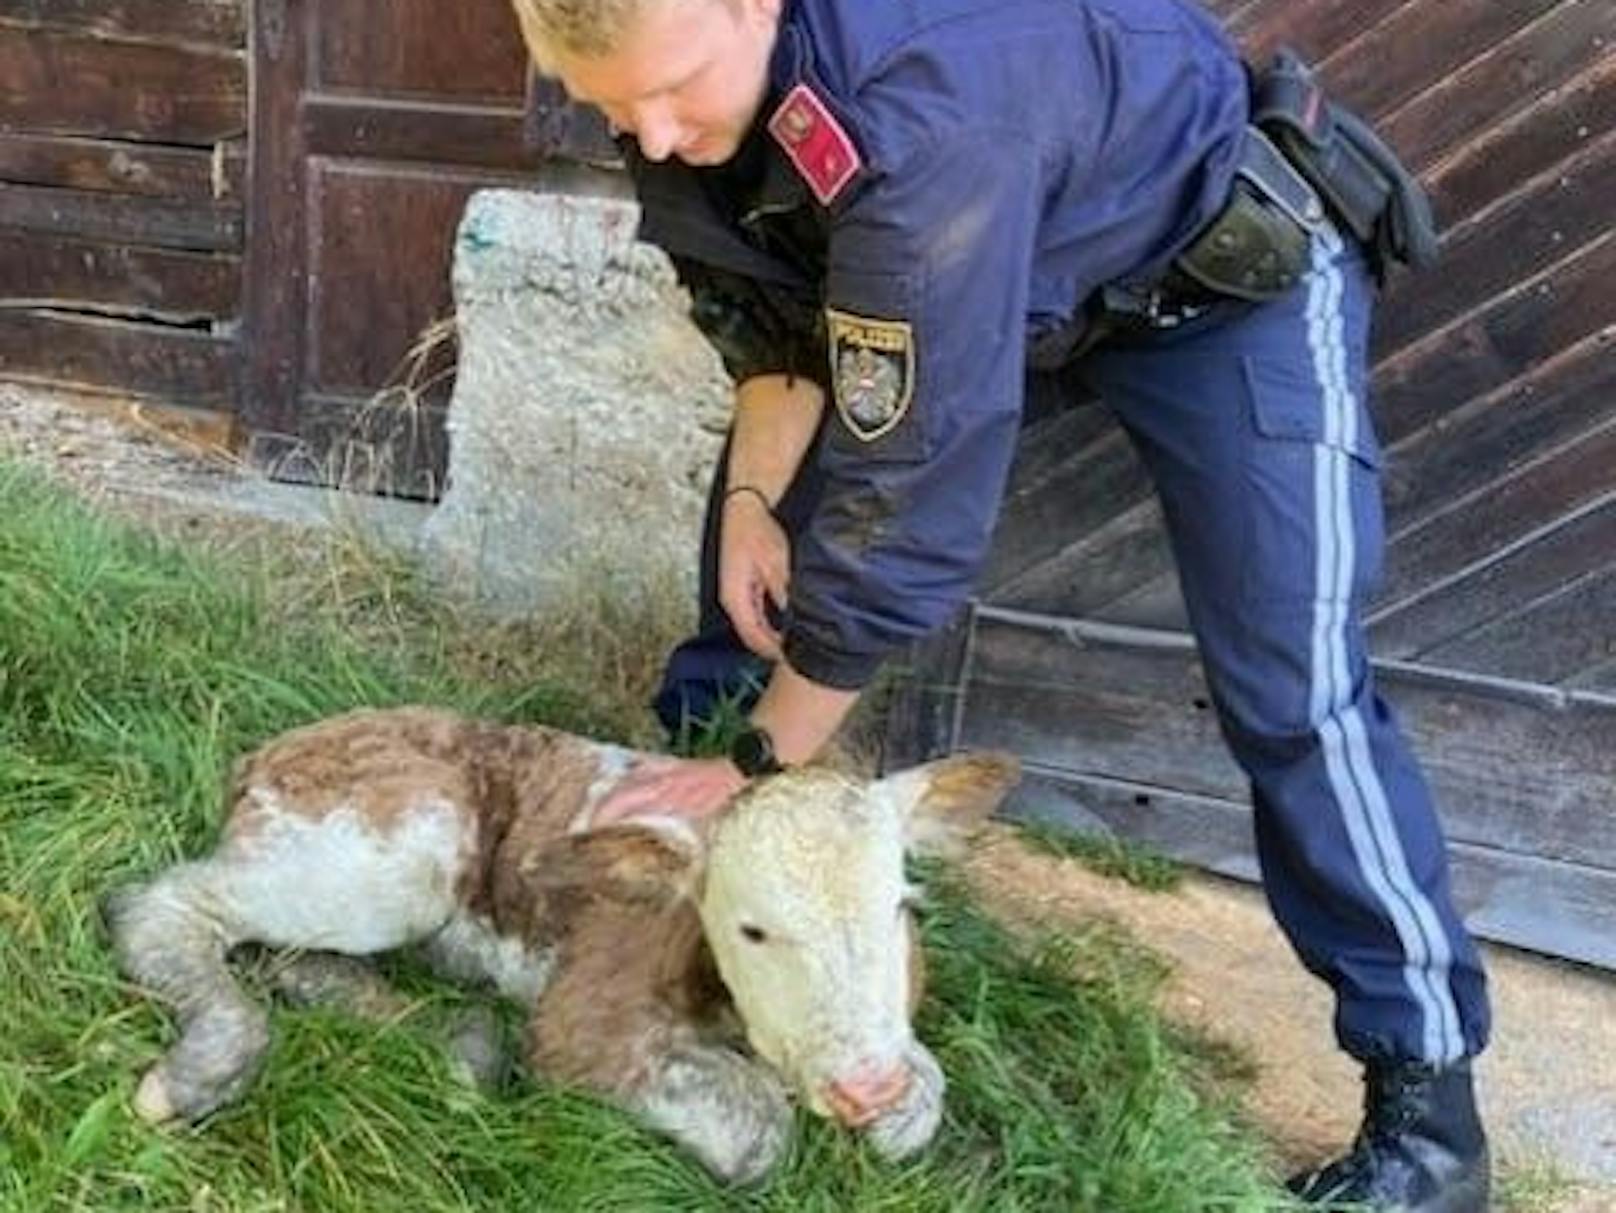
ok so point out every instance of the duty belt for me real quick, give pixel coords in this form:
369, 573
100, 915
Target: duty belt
1305, 161
1256, 248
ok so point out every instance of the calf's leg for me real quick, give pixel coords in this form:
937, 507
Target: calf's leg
727, 1109
331, 882
172, 936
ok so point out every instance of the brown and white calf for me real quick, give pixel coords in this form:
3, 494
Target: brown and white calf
635, 944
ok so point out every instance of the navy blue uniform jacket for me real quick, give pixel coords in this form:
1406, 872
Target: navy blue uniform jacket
999, 161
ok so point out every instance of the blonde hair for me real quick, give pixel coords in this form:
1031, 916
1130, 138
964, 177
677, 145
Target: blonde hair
575, 27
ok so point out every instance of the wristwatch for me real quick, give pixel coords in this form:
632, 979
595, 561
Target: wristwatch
752, 752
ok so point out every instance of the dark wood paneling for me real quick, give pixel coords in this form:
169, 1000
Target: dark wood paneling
77, 84
175, 365
1553, 640
1518, 509
1542, 57
471, 136
923, 697
219, 23
119, 167
1418, 44
369, 308
1537, 225
1563, 909
1081, 494
1096, 701
1494, 436
1107, 563
276, 265
1509, 336
1509, 582
420, 48
1600, 679
66, 273
1488, 164
156, 222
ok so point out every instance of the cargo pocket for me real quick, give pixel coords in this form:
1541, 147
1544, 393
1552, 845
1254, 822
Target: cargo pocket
1315, 526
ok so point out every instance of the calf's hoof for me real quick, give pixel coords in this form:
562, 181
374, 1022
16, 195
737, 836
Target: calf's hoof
910, 1124
152, 1101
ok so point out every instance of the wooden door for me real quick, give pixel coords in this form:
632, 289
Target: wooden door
371, 125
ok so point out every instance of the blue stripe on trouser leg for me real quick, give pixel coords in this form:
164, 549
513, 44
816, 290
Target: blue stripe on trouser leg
1254, 429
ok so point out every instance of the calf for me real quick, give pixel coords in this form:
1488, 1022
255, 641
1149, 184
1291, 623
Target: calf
635, 944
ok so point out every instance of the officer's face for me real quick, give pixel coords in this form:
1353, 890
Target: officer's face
687, 79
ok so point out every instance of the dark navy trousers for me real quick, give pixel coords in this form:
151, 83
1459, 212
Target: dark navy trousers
1253, 425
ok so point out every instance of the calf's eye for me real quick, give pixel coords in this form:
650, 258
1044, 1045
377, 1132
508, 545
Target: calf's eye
755, 934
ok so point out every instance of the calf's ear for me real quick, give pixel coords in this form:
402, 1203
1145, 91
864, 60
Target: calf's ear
944, 802
635, 864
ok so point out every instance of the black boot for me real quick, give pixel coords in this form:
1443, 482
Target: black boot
1421, 1148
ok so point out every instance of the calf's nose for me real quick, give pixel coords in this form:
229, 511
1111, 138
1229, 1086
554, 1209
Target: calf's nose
860, 1096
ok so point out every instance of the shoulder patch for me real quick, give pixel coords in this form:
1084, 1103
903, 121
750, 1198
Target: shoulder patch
872, 371
816, 143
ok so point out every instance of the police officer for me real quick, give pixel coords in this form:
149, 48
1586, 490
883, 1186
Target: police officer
889, 215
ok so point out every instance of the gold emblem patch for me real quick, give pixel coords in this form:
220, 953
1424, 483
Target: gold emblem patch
872, 371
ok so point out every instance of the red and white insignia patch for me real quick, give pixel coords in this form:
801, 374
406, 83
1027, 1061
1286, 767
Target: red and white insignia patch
816, 143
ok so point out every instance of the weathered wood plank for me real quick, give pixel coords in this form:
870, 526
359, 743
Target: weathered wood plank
1538, 224
1313, 29
1488, 439
1566, 304
1516, 770
1553, 641
155, 222
468, 52
112, 166
1511, 511
1092, 568
1516, 578
77, 84
1601, 679
56, 272
436, 132
1560, 909
175, 365
1420, 44
1539, 60
274, 324
1487, 167
219, 23
922, 699
1079, 494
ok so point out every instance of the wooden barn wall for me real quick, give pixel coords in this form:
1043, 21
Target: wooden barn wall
1495, 394
122, 126
376, 125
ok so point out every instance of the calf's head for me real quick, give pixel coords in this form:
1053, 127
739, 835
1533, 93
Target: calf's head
804, 905
806, 909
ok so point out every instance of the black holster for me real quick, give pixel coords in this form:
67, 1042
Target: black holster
1368, 190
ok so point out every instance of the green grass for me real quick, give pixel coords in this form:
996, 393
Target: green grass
132, 672
1114, 857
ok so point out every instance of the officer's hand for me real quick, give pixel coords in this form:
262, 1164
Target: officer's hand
673, 787
754, 569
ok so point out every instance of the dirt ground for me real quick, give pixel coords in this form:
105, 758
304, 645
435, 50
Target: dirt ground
1548, 1084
